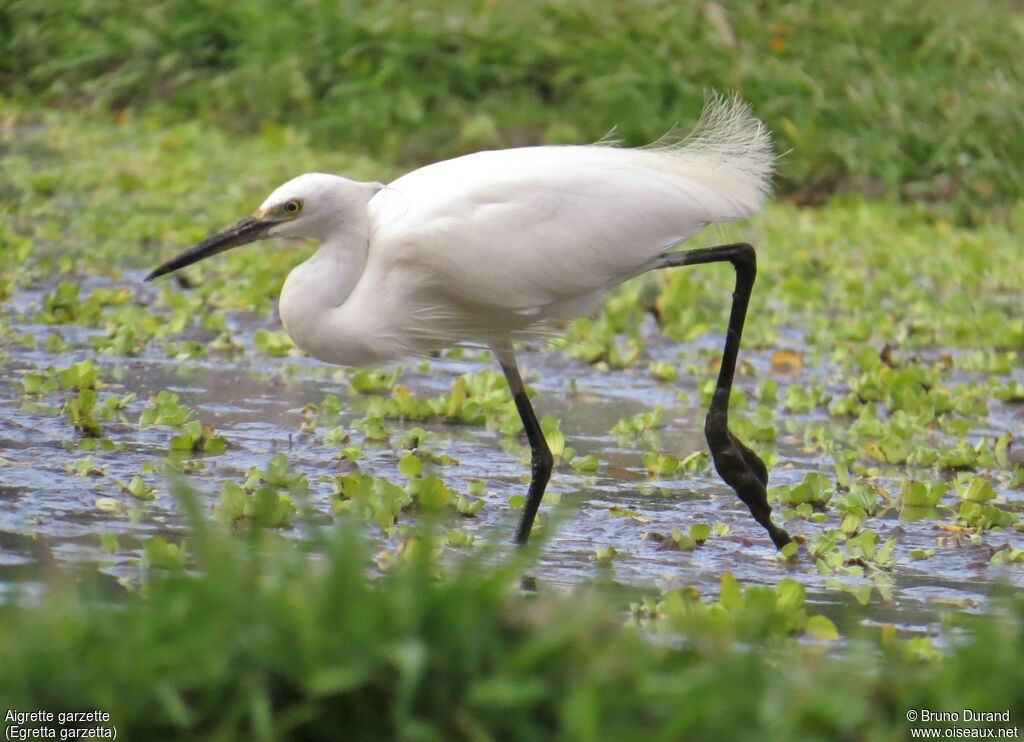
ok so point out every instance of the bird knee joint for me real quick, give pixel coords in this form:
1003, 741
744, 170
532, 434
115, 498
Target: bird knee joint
745, 258
543, 460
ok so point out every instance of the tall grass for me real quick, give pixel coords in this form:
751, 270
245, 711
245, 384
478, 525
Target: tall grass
922, 100
266, 640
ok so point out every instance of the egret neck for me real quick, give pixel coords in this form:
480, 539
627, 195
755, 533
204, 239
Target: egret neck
313, 298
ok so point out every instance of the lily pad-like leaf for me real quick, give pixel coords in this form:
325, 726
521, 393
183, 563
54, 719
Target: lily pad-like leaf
160, 554
821, 627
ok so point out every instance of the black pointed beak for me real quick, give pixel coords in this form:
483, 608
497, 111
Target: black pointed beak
248, 230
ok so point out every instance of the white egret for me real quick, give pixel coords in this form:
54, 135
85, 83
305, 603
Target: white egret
491, 246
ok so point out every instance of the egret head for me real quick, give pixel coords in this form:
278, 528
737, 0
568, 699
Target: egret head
312, 205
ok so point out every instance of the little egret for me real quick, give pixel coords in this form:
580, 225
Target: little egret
497, 245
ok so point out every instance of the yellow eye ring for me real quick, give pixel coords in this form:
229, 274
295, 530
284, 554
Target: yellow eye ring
291, 208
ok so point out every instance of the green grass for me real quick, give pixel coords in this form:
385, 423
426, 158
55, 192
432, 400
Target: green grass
265, 641
904, 98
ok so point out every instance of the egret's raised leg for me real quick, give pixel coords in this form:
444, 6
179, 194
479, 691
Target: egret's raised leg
740, 467
540, 453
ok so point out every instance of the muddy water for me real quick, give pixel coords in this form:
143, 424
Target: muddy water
49, 516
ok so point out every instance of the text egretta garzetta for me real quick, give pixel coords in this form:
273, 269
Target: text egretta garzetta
493, 245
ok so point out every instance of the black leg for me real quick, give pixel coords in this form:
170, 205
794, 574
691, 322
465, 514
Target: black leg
541, 454
736, 464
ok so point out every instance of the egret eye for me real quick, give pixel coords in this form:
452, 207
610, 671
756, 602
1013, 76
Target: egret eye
293, 207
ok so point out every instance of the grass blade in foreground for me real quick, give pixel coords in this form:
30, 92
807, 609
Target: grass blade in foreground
268, 642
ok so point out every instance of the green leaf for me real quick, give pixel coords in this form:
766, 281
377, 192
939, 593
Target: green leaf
375, 381
863, 545
682, 540
884, 555
917, 494
979, 490
731, 596
159, 554
468, 505
789, 595
137, 488
700, 532
432, 493
790, 550
215, 445
588, 464
663, 370
1007, 555
232, 502
182, 442
556, 442
821, 627
276, 472
269, 508
108, 504
410, 466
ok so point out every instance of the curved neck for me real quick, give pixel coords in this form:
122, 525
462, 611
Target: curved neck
318, 287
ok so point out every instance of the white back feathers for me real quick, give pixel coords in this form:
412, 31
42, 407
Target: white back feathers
545, 231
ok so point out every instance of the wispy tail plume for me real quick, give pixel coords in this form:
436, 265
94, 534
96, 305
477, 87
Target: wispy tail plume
730, 150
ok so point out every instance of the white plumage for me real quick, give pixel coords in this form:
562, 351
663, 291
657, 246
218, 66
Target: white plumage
499, 242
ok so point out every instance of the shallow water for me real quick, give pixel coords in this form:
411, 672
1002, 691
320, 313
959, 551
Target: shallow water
49, 516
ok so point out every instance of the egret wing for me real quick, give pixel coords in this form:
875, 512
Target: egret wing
530, 228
